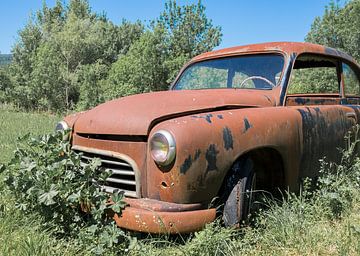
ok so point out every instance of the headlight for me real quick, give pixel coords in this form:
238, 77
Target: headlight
62, 126
162, 147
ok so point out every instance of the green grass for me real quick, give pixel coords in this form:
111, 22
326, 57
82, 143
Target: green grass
299, 225
21, 234
14, 124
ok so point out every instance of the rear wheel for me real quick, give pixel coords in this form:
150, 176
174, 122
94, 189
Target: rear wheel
238, 194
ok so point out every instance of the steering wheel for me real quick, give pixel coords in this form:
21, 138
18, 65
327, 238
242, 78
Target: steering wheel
256, 77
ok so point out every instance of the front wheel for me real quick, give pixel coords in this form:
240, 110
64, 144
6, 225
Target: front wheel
239, 188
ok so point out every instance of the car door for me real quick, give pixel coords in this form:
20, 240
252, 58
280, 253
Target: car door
315, 90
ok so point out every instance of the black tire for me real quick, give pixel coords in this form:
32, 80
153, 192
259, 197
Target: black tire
238, 192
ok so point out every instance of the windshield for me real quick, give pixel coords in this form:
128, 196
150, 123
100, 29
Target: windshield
261, 71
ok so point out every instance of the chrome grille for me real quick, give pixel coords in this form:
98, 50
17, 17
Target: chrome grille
123, 176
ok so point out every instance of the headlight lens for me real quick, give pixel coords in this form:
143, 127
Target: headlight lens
61, 126
162, 147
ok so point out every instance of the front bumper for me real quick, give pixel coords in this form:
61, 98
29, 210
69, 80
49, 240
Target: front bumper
153, 216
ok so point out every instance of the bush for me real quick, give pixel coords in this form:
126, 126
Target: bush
45, 177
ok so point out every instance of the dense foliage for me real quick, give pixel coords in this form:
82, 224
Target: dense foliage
47, 178
68, 57
339, 28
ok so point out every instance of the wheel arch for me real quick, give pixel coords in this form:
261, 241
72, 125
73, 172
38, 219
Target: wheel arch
269, 168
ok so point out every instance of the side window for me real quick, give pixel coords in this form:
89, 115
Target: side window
314, 74
352, 84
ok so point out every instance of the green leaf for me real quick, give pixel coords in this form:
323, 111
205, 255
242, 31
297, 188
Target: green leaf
47, 198
118, 201
74, 197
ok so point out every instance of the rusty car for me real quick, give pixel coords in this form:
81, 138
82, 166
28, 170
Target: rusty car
234, 120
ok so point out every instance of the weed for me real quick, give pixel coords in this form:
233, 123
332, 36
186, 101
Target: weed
47, 178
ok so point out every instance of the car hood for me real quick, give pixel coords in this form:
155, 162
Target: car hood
135, 115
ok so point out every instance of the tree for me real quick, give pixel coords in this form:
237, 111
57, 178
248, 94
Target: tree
89, 82
141, 69
152, 62
339, 28
5, 84
57, 47
190, 31
68, 57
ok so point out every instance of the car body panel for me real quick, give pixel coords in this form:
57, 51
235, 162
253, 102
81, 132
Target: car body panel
143, 110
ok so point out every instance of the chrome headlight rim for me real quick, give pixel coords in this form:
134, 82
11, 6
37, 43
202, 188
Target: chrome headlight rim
170, 144
62, 126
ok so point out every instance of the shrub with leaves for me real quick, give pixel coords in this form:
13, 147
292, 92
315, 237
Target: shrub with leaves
46, 177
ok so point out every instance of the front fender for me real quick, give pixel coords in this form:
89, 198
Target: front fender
208, 144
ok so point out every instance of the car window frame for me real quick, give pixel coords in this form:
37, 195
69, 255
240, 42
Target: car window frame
190, 63
338, 73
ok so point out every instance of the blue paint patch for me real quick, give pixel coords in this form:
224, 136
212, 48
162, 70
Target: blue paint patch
300, 101
197, 154
228, 139
211, 158
186, 165
189, 161
247, 125
206, 117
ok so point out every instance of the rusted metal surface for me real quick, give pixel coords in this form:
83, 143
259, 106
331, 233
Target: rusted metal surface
281, 47
212, 129
158, 217
135, 115
313, 99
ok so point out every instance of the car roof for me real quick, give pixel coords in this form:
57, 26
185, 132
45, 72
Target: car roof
288, 48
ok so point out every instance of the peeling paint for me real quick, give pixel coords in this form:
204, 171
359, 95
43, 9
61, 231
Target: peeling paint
186, 165
247, 125
206, 117
211, 155
228, 139
189, 161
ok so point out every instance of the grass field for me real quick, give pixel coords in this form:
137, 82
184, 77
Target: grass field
14, 124
299, 225
21, 234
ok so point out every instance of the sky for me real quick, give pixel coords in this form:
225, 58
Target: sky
242, 21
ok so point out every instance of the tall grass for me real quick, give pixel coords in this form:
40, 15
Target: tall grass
21, 234
14, 124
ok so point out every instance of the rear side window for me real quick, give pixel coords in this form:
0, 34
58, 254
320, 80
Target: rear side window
314, 74
352, 84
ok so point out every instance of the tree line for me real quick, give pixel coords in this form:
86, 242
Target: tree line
68, 57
